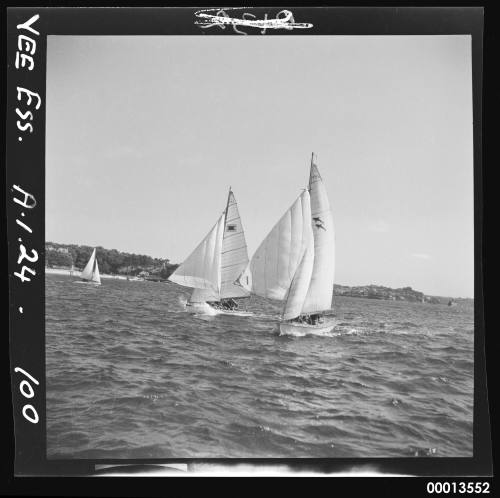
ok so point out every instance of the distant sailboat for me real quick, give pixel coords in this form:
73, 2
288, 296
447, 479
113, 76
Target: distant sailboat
296, 262
214, 265
90, 273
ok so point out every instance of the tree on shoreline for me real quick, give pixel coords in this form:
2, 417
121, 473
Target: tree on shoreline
110, 260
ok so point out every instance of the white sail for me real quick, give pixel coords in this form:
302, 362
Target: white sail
319, 295
234, 257
201, 269
273, 266
203, 295
302, 278
96, 277
89, 268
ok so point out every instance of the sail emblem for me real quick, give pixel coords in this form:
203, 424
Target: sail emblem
318, 223
231, 228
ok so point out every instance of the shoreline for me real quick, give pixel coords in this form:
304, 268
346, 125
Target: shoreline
77, 273
441, 300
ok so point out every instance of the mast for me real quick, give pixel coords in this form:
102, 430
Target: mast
224, 233
227, 205
310, 171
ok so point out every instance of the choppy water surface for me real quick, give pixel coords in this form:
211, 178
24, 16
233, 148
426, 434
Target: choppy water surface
131, 375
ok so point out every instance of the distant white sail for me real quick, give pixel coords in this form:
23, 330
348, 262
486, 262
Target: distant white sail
89, 268
319, 295
96, 277
201, 269
273, 266
234, 256
302, 278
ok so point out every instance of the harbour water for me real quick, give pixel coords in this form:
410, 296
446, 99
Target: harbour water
130, 374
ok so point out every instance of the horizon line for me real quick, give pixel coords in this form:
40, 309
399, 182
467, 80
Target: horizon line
342, 285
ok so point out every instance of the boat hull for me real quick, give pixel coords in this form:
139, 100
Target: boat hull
201, 309
87, 282
235, 313
206, 309
300, 329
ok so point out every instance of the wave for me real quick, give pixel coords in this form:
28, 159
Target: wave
306, 331
123, 382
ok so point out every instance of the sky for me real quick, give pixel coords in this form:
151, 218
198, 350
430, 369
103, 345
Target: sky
145, 134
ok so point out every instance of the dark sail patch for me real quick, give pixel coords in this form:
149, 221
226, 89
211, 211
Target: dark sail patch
318, 223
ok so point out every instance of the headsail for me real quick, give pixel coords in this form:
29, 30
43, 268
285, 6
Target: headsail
88, 271
319, 295
273, 266
302, 278
201, 269
234, 257
203, 295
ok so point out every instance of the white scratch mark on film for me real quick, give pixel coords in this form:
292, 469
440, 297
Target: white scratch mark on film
284, 20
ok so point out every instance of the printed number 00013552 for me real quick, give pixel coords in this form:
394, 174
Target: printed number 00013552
437, 487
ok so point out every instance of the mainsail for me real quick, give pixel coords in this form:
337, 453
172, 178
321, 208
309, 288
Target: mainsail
273, 266
91, 270
234, 256
96, 276
319, 295
201, 269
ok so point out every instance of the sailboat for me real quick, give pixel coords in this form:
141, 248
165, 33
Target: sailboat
212, 268
90, 273
295, 263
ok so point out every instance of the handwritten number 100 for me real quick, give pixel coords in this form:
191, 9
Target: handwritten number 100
29, 411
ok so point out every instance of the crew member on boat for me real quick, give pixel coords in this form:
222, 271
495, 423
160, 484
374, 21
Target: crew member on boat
229, 304
313, 319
